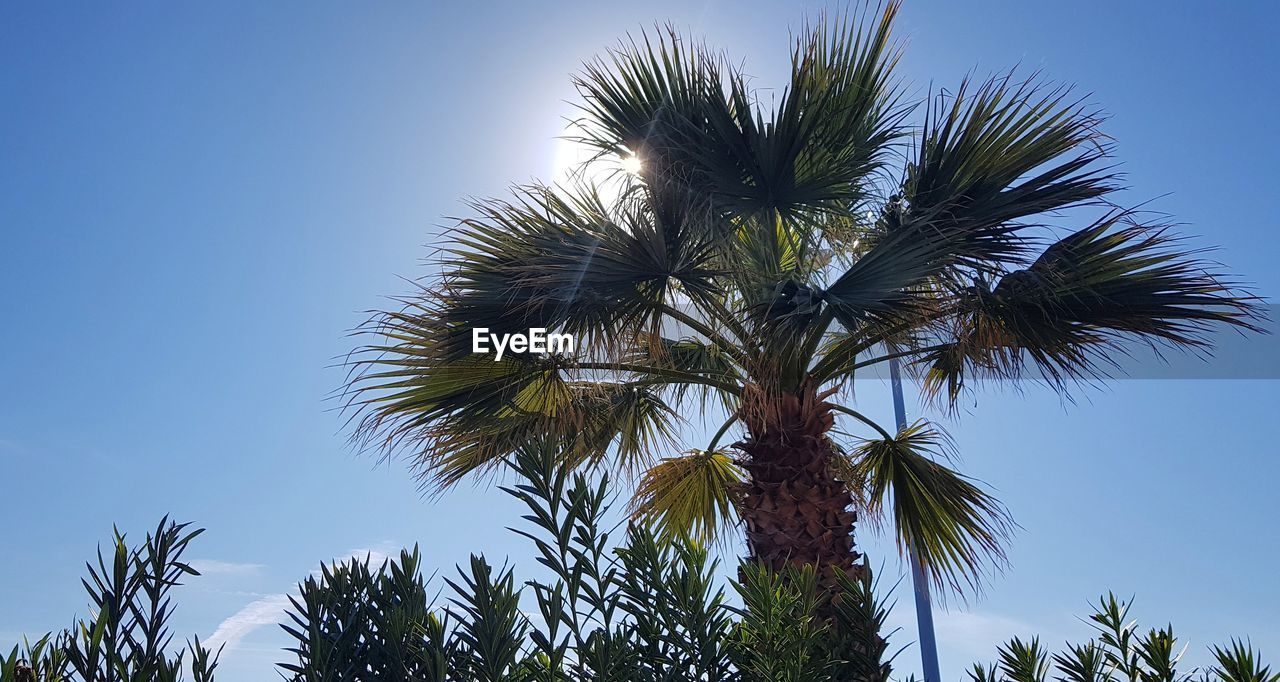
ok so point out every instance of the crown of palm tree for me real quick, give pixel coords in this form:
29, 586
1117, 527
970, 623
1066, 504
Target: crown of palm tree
767, 249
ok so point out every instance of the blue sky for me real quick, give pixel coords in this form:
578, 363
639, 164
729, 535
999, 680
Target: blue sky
198, 200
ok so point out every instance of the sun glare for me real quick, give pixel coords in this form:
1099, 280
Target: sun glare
575, 165
575, 162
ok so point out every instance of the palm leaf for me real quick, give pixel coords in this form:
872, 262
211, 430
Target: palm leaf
986, 162
565, 260
833, 127
1011, 151
592, 423
1073, 311
630, 422
950, 524
649, 98
693, 495
694, 356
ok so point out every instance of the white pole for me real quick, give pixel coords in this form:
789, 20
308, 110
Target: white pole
924, 604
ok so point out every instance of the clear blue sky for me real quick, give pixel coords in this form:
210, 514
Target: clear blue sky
197, 200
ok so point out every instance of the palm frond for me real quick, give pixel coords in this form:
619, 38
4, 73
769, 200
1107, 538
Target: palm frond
987, 162
693, 495
564, 259
951, 525
630, 422
591, 423
416, 374
695, 356
883, 285
1006, 153
458, 415
832, 127
649, 98
1073, 311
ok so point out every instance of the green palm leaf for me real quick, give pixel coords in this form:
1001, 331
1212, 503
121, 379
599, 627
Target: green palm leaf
951, 525
693, 495
565, 260
1011, 151
1072, 312
987, 162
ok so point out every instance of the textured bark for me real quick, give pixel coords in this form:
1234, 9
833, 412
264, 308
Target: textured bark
797, 511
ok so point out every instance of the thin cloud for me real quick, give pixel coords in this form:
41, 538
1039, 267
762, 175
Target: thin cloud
375, 556
979, 633
216, 567
963, 637
266, 611
270, 610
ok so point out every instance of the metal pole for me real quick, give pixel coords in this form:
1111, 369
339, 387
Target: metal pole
924, 604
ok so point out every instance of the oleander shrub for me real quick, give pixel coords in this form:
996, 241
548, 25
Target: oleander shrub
1119, 652
127, 636
644, 608
635, 609
627, 608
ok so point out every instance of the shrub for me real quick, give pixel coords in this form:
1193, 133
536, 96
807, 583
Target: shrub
639, 610
636, 610
127, 638
646, 609
1119, 653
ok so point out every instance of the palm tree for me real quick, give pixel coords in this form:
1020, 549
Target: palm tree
757, 254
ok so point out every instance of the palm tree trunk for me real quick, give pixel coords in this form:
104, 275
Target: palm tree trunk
798, 512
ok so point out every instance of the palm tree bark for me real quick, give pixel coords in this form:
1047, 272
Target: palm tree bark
798, 511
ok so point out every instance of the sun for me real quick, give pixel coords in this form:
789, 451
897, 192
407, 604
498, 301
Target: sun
576, 163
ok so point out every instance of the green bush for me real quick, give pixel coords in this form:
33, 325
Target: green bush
127, 638
651, 610
641, 610
636, 610
1118, 653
